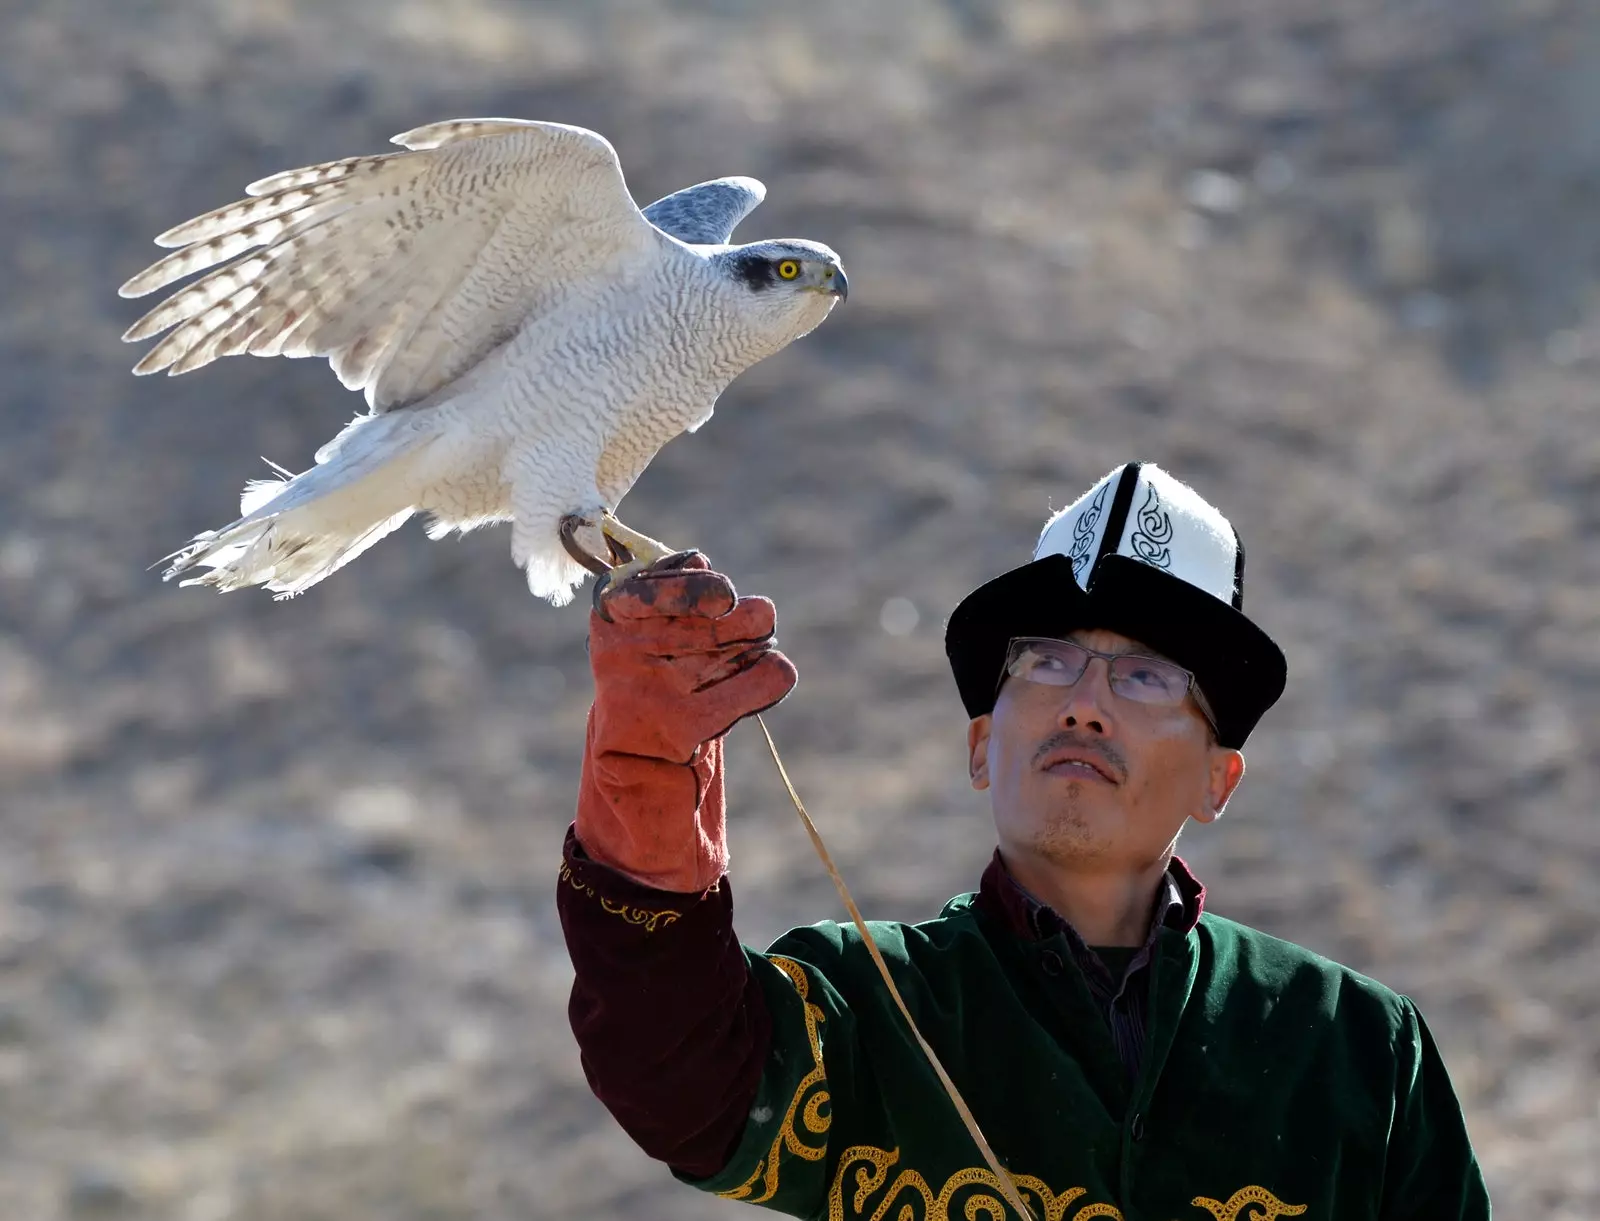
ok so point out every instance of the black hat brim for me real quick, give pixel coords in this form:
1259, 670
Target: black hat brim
1238, 667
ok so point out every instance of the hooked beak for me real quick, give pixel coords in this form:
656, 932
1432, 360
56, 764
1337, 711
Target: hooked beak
836, 284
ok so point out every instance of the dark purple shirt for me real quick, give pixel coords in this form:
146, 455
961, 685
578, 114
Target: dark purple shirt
1122, 995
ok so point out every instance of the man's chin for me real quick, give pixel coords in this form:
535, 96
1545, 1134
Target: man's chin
1078, 830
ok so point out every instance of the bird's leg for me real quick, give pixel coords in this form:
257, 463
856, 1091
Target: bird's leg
630, 550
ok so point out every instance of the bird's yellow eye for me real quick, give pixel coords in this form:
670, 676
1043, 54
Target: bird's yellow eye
788, 269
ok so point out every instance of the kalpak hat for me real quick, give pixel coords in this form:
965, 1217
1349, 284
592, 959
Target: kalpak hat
1143, 555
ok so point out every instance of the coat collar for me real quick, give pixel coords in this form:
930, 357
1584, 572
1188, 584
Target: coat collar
1178, 904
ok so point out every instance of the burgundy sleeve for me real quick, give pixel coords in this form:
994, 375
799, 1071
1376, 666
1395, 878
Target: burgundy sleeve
672, 1027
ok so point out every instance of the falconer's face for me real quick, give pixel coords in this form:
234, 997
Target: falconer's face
1082, 777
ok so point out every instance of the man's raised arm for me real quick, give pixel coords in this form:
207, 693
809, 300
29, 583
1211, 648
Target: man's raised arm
672, 1026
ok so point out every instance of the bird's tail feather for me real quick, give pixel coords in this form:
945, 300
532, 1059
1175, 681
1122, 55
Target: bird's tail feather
295, 530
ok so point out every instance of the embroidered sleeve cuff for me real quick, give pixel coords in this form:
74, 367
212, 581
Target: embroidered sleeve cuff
618, 896
672, 1027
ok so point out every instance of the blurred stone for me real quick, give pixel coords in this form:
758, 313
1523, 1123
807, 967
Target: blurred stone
1424, 311
1274, 173
1565, 348
165, 786
1401, 248
899, 616
545, 684
387, 856
446, 646
13, 1027
376, 809
1190, 231
1215, 192
1143, 330
20, 557
184, 919
99, 1191
244, 668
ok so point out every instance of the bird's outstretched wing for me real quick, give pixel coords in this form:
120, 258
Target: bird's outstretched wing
403, 269
706, 214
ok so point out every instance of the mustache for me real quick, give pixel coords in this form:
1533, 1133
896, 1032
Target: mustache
1104, 751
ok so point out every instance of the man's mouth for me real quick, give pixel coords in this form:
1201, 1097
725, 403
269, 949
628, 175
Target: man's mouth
1079, 764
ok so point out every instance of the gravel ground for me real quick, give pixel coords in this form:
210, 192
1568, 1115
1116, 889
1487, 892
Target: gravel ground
277, 937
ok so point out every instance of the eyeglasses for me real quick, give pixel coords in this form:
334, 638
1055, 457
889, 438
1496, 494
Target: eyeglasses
1133, 676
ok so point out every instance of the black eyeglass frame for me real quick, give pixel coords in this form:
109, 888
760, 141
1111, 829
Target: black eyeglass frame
1193, 687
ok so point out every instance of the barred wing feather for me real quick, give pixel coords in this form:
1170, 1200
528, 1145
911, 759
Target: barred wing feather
403, 269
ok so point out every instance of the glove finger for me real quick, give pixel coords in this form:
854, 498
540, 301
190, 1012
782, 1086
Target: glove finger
751, 621
688, 591
669, 710
687, 641
770, 681
761, 678
679, 561
723, 669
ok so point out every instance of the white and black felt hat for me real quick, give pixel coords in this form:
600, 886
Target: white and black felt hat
1142, 555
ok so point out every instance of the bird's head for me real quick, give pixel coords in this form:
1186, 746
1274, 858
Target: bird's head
787, 285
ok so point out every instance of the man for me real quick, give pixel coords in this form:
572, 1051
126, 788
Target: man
1126, 1054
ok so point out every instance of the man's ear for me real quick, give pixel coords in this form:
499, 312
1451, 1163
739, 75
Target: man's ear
978, 751
1226, 770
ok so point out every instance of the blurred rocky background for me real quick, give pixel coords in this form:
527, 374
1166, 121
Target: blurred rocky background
277, 938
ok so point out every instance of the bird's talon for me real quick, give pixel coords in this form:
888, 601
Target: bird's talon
568, 529
630, 553
619, 553
602, 585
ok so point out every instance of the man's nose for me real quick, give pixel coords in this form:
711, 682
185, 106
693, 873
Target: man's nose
1087, 703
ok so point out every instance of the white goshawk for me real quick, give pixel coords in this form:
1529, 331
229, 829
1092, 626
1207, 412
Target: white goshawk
527, 339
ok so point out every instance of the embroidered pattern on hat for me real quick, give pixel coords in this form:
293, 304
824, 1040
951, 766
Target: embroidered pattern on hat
1083, 533
1154, 532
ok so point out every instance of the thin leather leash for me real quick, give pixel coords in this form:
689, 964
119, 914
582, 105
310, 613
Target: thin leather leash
1007, 1187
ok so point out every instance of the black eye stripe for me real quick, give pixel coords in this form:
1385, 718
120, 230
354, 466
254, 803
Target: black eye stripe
760, 271
757, 272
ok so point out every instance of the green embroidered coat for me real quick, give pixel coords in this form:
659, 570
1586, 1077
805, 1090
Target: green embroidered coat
1274, 1083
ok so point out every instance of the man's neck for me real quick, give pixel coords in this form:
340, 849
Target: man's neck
1106, 907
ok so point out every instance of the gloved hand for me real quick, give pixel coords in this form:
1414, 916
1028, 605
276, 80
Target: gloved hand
682, 659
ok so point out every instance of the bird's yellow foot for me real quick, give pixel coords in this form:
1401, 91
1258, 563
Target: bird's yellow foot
631, 551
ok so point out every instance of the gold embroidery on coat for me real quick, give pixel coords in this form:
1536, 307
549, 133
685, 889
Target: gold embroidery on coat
1252, 1198
812, 1115
639, 915
985, 1202
571, 880
872, 1165
650, 920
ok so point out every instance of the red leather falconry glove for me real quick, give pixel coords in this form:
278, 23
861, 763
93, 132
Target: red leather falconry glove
683, 658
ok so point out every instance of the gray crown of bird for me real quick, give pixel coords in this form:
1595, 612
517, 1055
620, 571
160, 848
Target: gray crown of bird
526, 337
